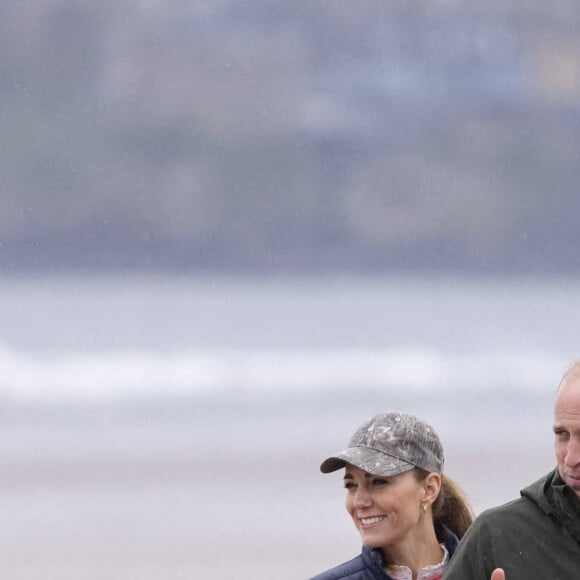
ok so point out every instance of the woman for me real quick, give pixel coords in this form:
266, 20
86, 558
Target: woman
409, 515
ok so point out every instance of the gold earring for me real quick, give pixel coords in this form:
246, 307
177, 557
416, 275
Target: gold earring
426, 507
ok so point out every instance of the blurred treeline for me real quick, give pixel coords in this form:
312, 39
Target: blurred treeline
296, 135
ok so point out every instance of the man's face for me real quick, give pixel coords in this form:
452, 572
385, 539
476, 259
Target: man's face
567, 431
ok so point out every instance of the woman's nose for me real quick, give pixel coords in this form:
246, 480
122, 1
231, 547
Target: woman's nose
362, 497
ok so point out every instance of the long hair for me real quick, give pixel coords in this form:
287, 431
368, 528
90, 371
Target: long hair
451, 508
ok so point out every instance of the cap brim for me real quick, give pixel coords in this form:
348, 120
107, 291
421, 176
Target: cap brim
369, 460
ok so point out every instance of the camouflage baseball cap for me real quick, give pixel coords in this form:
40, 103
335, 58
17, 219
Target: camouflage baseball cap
389, 444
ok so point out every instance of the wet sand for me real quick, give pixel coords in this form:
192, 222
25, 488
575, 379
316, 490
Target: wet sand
177, 516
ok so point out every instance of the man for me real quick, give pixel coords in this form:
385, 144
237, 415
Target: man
538, 535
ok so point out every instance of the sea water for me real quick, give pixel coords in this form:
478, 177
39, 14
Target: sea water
160, 427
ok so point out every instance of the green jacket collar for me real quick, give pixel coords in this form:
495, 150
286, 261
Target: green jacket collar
554, 497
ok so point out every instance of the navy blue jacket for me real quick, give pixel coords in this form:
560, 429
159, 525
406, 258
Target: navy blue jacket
368, 565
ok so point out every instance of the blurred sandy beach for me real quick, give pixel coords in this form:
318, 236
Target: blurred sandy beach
113, 493
135, 445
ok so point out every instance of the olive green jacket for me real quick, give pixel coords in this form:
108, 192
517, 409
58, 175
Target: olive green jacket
534, 537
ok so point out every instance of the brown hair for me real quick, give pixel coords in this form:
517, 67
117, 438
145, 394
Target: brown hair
451, 508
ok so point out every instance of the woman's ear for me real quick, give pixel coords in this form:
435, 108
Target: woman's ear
432, 487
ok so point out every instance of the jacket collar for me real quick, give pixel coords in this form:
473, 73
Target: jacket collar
373, 557
554, 497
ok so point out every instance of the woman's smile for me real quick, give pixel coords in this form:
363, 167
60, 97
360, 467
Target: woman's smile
369, 521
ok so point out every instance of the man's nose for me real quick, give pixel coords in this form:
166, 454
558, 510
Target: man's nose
572, 458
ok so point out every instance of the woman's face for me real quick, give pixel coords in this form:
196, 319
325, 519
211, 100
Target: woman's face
385, 510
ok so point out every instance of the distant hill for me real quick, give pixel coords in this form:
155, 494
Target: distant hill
302, 136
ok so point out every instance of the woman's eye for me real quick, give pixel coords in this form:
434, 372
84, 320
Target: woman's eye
349, 485
379, 481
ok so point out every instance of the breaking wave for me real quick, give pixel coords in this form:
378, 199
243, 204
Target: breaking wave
205, 373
